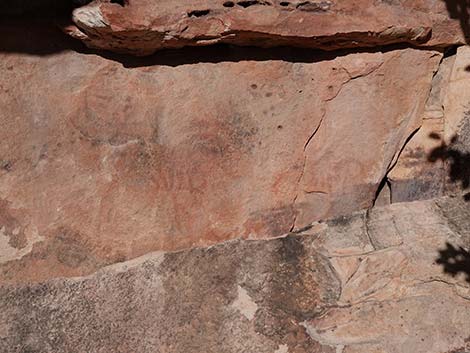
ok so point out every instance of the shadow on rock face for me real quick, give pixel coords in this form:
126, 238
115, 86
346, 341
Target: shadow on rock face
460, 10
457, 159
39, 7
455, 260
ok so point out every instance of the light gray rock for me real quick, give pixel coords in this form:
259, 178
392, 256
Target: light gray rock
394, 279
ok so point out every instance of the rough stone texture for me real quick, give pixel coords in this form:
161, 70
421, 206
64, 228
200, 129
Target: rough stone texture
394, 279
437, 159
415, 176
102, 163
143, 26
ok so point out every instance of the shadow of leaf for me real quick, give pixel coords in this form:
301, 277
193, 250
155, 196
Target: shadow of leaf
455, 260
458, 161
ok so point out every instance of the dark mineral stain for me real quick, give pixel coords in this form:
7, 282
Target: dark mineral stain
342, 221
182, 303
232, 136
12, 223
294, 294
272, 222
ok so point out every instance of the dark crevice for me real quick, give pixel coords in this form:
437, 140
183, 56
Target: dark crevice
284, 3
119, 2
198, 13
248, 3
450, 51
384, 183
229, 4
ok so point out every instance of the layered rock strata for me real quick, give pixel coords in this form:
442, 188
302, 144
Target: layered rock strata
142, 27
110, 162
394, 279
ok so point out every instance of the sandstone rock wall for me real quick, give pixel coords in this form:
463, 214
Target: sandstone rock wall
369, 282
105, 158
143, 26
106, 163
154, 204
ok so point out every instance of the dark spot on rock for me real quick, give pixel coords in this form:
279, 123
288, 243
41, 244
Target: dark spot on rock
229, 4
294, 294
119, 2
13, 224
248, 3
254, 86
342, 221
435, 136
198, 13
284, 3
279, 127
192, 312
6, 165
269, 94
69, 248
233, 136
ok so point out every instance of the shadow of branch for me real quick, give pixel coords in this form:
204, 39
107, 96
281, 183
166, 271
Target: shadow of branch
458, 162
455, 260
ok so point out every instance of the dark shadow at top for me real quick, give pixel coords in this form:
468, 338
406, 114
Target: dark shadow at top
23, 32
455, 260
218, 53
42, 37
38, 36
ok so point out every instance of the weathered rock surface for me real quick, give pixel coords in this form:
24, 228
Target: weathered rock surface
394, 279
109, 163
143, 26
436, 160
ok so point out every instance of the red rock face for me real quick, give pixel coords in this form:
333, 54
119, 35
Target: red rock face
102, 163
143, 26
234, 191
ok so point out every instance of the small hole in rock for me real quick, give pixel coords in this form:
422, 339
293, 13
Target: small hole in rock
229, 4
249, 3
279, 127
314, 6
119, 2
254, 86
198, 13
284, 3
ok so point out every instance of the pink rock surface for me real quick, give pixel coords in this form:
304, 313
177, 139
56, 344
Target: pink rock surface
143, 26
102, 163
